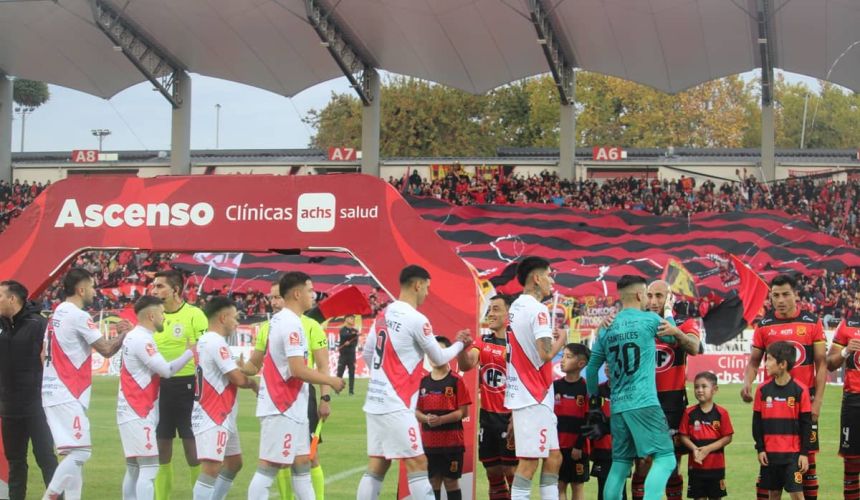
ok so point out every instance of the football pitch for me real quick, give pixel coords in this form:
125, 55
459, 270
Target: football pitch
344, 458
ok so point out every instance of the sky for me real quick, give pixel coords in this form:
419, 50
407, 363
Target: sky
139, 118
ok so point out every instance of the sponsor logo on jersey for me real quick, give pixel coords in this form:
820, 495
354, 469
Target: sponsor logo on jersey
150, 349
91, 325
790, 402
134, 215
542, 319
428, 330
493, 377
799, 353
716, 425
801, 331
177, 330
225, 353
295, 338
665, 358
449, 392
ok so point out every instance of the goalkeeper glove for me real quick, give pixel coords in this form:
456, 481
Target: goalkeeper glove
596, 424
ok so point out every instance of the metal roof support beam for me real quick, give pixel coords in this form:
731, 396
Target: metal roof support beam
765, 42
370, 124
180, 127
357, 69
161, 69
567, 141
6, 106
560, 64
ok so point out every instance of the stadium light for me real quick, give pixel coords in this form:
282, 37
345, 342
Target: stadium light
24, 111
101, 133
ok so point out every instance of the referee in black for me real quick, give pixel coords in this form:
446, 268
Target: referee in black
22, 331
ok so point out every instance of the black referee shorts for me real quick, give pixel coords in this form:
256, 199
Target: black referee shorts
175, 403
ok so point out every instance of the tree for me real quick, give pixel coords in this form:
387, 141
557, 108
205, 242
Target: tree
30, 93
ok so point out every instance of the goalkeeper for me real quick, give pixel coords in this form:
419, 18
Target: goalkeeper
638, 425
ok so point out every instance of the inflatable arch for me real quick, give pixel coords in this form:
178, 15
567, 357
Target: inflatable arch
361, 215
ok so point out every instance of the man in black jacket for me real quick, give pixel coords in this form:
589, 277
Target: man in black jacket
346, 358
22, 330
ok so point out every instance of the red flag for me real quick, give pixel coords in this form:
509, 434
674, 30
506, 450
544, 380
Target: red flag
348, 301
752, 290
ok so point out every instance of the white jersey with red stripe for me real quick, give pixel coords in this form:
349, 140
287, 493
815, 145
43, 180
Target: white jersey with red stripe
529, 378
68, 374
139, 377
280, 392
215, 400
400, 338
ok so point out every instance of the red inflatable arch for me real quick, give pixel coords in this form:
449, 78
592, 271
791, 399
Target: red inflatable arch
358, 214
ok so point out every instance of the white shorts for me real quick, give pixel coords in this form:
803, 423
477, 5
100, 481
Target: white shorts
138, 438
282, 439
217, 442
535, 431
394, 435
69, 425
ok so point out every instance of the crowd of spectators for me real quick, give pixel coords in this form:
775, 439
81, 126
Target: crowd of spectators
834, 207
15, 197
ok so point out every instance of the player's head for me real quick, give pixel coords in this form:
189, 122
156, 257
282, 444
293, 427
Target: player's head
222, 315
275, 298
79, 283
780, 358
783, 294
575, 357
415, 283
168, 286
631, 291
443, 343
150, 312
497, 313
534, 273
13, 296
657, 293
297, 289
705, 386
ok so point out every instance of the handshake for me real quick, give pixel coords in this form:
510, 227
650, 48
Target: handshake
596, 424
464, 336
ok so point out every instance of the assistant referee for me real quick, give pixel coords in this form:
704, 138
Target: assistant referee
183, 323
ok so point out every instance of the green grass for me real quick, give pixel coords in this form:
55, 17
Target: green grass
343, 451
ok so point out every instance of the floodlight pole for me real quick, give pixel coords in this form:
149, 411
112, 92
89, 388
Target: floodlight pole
561, 66
6, 105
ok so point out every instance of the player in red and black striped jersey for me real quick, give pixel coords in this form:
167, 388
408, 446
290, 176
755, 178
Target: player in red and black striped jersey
845, 351
442, 405
571, 409
705, 431
803, 330
782, 425
494, 449
671, 380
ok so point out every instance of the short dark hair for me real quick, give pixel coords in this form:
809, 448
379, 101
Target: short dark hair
443, 340
174, 278
783, 352
146, 301
578, 349
528, 265
73, 278
217, 304
629, 280
16, 289
291, 280
784, 279
709, 376
411, 273
507, 299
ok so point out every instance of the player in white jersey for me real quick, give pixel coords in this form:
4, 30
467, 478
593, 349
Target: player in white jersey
529, 392
137, 404
70, 340
282, 404
213, 418
394, 352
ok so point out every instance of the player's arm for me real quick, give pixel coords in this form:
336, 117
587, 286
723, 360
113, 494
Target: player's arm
369, 347
468, 358
688, 341
320, 350
820, 360
750, 372
687, 442
162, 367
719, 444
431, 348
758, 431
592, 370
454, 416
94, 338
548, 347
299, 369
253, 365
239, 379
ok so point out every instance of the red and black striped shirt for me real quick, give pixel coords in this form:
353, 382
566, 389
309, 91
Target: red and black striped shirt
804, 330
671, 371
601, 449
782, 420
847, 330
440, 397
704, 428
571, 408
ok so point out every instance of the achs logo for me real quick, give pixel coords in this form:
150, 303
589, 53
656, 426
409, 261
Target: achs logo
295, 339
225, 353
316, 212
134, 215
150, 349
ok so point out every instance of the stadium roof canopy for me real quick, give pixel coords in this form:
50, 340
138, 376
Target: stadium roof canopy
474, 45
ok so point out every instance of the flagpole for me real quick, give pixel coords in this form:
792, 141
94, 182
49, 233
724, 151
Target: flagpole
200, 287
